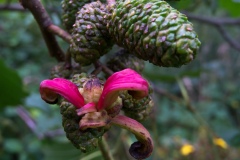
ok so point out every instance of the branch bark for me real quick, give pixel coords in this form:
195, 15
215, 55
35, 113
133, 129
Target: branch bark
228, 38
104, 68
44, 21
219, 23
12, 7
214, 21
60, 32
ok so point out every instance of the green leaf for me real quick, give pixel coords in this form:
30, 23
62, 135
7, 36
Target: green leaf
235, 141
12, 92
170, 77
160, 77
65, 150
180, 4
232, 6
191, 73
13, 145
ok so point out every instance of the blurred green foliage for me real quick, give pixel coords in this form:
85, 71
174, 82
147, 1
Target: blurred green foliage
11, 87
212, 83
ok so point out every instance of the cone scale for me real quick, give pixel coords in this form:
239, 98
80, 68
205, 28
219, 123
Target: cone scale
154, 31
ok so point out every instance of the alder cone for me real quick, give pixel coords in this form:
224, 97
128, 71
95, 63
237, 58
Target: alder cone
136, 109
85, 140
123, 59
60, 71
70, 8
90, 34
154, 31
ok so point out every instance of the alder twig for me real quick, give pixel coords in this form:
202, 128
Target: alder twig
53, 133
214, 21
12, 7
97, 70
228, 38
219, 23
23, 114
167, 94
68, 60
44, 21
60, 32
31, 124
104, 68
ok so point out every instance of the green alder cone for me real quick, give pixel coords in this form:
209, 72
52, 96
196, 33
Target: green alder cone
60, 71
85, 140
154, 31
136, 109
70, 8
90, 34
123, 59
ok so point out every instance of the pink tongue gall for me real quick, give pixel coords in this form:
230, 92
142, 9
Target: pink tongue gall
123, 80
50, 89
144, 146
90, 107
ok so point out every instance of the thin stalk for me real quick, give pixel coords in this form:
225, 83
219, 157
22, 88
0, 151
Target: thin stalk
91, 156
105, 149
197, 116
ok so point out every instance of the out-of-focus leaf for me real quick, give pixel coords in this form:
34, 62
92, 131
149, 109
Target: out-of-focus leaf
12, 92
170, 78
35, 101
235, 141
61, 151
232, 6
64, 150
48, 121
180, 4
161, 77
192, 74
13, 145
213, 91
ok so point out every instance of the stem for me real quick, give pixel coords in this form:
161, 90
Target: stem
192, 109
104, 68
163, 92
219, 24
12, 7
68, 60
105, 149
91, 156
24, 115
44, 21
60, 32
97, 70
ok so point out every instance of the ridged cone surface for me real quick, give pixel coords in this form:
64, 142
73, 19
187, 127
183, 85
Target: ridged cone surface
60, 71
154, 31
123, 59
70, 8
85, 140
90, 34
136, 109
